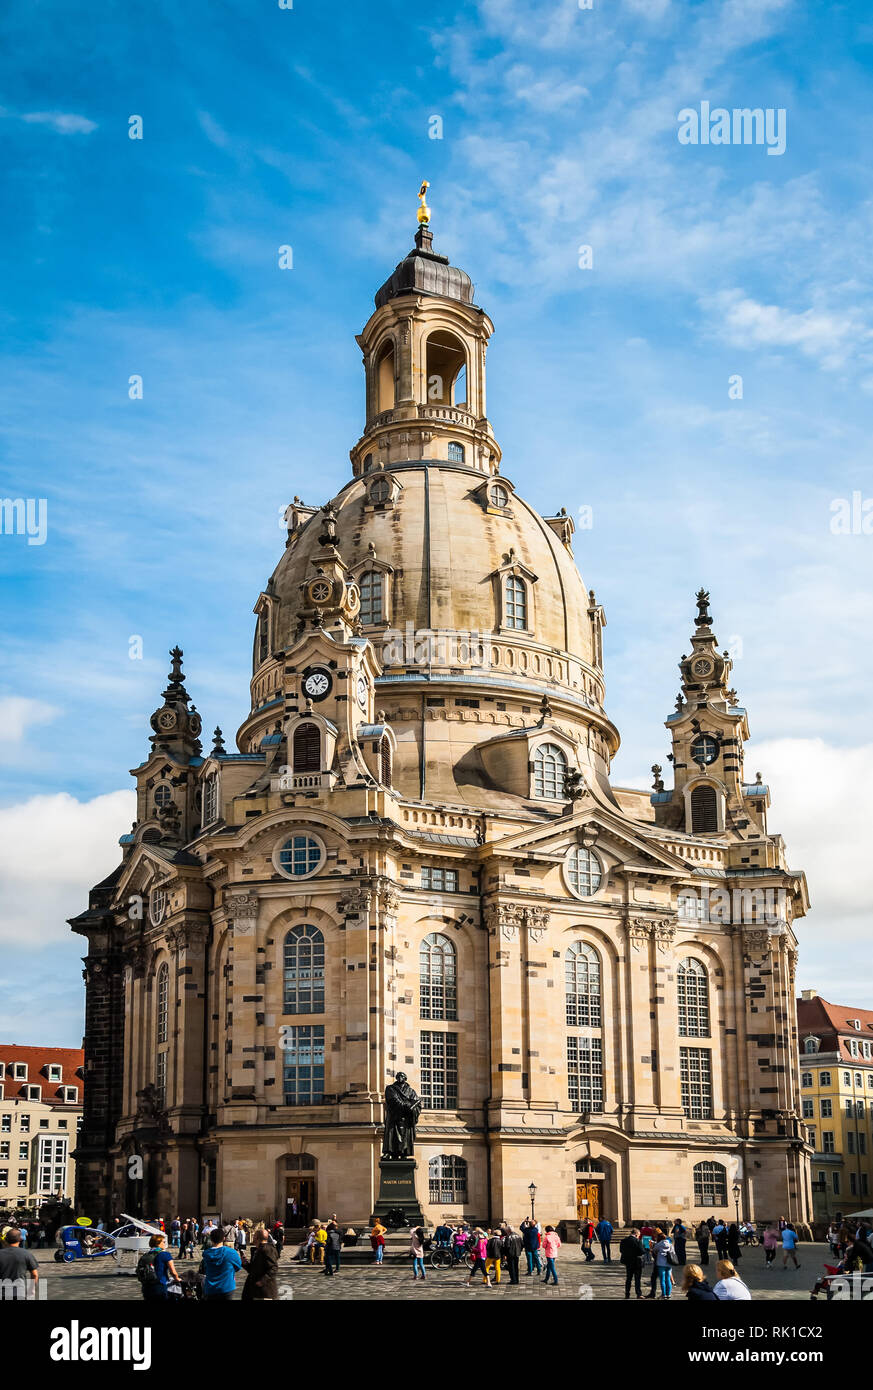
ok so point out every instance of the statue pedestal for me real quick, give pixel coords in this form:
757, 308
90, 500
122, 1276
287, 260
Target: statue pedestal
397, 1192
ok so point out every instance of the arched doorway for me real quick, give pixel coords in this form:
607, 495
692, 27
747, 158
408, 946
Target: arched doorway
299, 1189
590, 1178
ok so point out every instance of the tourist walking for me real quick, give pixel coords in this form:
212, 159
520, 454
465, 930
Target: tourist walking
702, 1236
586, 1236
332, 1246
377, 1241
262, 1269
551, 1246
220, 1264
155, 1269
695, 1287
789, 1246
632, 1254
730, 1287
531, 1238
416, 1250
771, 1240
479, 1251
720, 1236
603, 1231
512, 1248
279, 1237
679, 1236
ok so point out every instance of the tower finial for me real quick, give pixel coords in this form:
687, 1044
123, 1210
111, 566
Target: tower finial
704, 617
424, 210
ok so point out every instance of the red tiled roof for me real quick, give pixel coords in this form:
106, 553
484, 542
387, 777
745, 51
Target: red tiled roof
834, 1021
70, 1059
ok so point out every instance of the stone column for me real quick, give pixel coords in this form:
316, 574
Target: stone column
352, 1067
640, 1040
247, 996
543, 1010
510, 1039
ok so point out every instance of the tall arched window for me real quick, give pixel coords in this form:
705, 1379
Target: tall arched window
371, 598
438, 977
455, 452
385, 762
549, 770
710, 1185
385, 387
515, 607
162, 1007
307, 748
582, 980
303, 971
447, 1180
692, 987
704, 810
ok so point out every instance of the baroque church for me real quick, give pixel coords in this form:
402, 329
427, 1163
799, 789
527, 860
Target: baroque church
415, 861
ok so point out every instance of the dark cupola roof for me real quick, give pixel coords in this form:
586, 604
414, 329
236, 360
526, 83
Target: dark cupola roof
424, 272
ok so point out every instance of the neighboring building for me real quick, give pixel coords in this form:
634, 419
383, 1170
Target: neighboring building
836, 1090
40, 1111
415, 861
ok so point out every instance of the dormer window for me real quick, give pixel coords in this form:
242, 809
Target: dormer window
19, 1071
55, 1072
704, 810
380, 491
31, 1092
811, 1045
307, 748
499, 495
549, 771
69, 1095
372, 608
515, 611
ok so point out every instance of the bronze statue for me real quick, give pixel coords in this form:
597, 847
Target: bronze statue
402, 1109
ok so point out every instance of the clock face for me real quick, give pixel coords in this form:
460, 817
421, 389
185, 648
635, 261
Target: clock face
317, 683
362, 692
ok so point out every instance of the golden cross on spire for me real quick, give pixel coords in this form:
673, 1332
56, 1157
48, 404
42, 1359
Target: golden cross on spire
424, 210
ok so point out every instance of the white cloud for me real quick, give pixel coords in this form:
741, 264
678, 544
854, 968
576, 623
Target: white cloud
53, 849
18, 715
829, 337
63, 122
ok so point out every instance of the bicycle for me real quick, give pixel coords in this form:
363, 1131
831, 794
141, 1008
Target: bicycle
449, 1257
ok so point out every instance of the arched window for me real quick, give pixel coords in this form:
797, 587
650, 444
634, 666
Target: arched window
162, 1006
380, 491
499, 496
385, 378
515, 607
438, 977
582, 981
456, 452
385, 762
210, 800
263, 637
371, 597
163, 795
710, 1185
447, 1180
368, 463
811, 1045
303, 971
704, 810
446, 360
549, 770
692, 987
307, 748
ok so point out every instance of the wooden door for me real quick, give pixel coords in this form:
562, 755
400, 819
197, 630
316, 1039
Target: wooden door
588, 1201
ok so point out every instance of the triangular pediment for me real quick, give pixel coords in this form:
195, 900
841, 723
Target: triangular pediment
632, 849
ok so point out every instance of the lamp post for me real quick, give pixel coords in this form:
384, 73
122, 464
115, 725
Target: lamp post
533, 1192
737, 1191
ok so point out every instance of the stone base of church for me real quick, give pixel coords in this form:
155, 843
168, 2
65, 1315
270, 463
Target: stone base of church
397, 1203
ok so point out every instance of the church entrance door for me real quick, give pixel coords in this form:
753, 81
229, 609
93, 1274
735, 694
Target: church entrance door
301, 1191
588, 1201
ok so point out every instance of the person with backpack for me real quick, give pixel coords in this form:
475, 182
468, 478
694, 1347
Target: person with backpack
333, 1246
495, 1253
219, 1267
155, 1269
512, 1248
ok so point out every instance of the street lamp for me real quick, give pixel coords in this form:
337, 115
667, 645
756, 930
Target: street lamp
533, 1192
737, 1191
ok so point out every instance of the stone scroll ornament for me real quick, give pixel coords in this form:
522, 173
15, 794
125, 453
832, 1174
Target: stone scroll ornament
402, 1110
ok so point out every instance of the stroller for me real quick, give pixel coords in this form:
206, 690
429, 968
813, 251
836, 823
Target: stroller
191, 1286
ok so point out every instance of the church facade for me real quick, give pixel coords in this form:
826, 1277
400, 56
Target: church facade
414, 861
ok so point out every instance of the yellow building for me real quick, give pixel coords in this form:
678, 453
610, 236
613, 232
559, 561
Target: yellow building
836, 1088
415, 860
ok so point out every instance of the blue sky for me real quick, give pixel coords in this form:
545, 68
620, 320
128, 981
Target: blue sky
607, 387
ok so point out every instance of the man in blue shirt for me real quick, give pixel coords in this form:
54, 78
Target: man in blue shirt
789, 1246
603, 1231
220, 1264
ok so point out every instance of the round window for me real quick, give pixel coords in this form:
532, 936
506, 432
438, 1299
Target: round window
380, 491
299, 856
583, 871
704, 749
499, 496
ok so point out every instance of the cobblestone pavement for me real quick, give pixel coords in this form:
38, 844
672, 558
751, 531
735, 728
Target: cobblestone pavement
98, 1281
